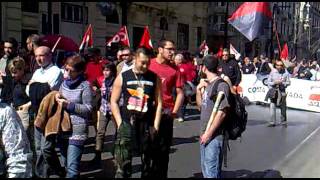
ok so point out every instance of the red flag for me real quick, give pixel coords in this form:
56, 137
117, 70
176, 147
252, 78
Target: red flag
146, 39
87, 40
121, 37
204, 49
285, 52
219, 54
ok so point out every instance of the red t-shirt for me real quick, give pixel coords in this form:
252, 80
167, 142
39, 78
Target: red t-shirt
170, 78
188, 70
93, 71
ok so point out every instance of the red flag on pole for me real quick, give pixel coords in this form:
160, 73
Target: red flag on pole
204, 49
121, 37
87, 40
285, 52
146, 39
219, 54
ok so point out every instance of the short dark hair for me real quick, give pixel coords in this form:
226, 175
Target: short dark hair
163, 42
35, 39
211, 62
12, 41
112, 67
77, 62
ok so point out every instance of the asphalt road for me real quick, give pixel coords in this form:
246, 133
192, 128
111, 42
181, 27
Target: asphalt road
262, 152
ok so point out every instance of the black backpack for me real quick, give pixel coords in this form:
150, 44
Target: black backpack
236, 119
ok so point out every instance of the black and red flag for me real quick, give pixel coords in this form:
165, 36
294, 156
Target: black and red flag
250, 18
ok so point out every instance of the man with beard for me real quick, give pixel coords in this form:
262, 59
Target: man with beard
10, 52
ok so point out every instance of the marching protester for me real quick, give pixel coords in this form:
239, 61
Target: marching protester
247, 67
45, 79
126, 60
33, 42
105, 114
278, 81
229, 67
171, 80
10, 52
75, 96
211, 138
15, 152
138, 119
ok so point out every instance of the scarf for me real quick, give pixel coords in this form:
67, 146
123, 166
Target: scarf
72, 84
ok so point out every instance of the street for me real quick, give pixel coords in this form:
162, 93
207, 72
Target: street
262, 152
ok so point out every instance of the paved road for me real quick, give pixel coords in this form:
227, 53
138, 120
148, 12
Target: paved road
263, 151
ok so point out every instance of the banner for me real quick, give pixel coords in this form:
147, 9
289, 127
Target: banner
301, 94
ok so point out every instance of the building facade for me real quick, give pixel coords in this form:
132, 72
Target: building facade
183, 22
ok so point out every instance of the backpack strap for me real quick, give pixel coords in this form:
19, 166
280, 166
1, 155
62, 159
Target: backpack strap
215, 88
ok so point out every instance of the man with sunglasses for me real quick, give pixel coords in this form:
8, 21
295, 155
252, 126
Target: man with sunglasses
126, 60
278, 81
229, 67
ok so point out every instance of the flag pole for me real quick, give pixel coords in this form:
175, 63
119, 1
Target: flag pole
54, 47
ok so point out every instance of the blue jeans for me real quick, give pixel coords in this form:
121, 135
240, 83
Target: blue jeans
71, 157
211, 158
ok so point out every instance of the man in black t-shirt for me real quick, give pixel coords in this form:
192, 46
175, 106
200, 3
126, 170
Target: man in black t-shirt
138, 119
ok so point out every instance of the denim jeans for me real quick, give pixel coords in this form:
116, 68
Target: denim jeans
211, 158
283, 108
71, 157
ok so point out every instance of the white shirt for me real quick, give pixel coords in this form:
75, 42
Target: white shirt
51, 75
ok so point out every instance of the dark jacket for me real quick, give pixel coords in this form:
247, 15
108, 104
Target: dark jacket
37, 92
231, 69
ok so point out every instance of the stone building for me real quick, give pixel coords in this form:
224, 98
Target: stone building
183, 22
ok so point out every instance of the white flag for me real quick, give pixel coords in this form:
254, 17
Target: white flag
235, 52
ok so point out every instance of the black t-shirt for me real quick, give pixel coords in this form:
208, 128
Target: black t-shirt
247, 69
138, 95
231, 69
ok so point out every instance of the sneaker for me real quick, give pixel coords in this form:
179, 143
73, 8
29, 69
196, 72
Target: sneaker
271, 125
284, 123
180, 119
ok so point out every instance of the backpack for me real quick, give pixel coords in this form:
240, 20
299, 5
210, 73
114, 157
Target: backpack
236, 119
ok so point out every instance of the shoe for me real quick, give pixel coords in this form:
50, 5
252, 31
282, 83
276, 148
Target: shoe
271, 125
284, 123
180, 119
97, 159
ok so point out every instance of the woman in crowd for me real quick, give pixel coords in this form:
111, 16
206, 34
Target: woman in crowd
105, 82
76, 97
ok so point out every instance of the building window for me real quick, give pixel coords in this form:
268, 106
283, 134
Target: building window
113, 18
183, 36
74, 13
163, 24
30, 6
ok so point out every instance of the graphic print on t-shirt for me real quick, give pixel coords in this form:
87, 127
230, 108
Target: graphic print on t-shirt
138, 100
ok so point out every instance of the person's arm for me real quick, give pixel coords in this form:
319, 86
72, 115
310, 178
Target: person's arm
179, 101
115, 97
218, 119
238, 72
201, 86
16, 146
158, 100
56, 80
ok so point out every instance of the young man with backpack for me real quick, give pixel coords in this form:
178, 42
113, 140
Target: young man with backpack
212, 134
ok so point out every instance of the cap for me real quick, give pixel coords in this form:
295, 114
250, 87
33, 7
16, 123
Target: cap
211, 62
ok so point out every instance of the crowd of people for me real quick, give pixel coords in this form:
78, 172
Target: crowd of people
48, 104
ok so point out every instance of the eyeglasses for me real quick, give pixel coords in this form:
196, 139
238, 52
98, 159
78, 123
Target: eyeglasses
125, 55
170, 49
224, 54
279, 65
69, 70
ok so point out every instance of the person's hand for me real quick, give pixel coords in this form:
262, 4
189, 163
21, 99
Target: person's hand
94, 88
61, 100
202, 83
204, 139
153, 131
